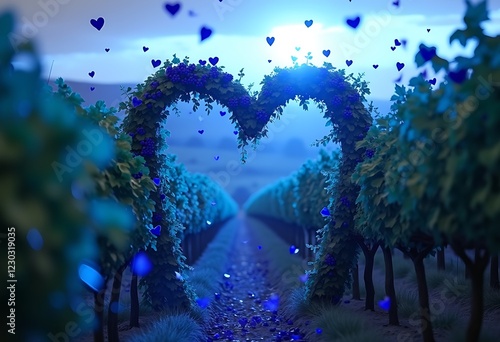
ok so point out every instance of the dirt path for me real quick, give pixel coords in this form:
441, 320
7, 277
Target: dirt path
246, 312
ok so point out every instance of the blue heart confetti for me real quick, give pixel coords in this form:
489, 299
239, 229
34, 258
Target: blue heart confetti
348, 62
393, 48
136, 102
203, 302
155, 63
458, 76
353, 22
91, 277
173, 8
141, 265
222, 113
106, 49
385, 304
202, 62
35, 239
97, 23
216, 157
156, 231
397, 42
92, 74
325, 212
145, 48
432, 81
235, 132
156, 180
92, 88
427, 53
205, 32
400, 66
270, 40
375, 66
326, 53
213, 60
201, 131
308, 23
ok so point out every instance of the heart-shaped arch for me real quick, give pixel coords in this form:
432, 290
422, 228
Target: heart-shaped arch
340, 98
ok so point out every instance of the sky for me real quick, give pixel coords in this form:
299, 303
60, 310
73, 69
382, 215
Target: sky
71, 47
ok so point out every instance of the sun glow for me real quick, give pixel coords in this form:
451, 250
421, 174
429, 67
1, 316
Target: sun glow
297, 40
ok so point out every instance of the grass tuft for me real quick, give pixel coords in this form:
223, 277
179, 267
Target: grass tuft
178, 328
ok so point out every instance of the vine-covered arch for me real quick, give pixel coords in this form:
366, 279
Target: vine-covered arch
338, 95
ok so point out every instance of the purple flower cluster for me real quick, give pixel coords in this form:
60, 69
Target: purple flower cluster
226, 78
337, 82
347, 114
353, 97
345, 201
137, 175
330, 260
337, 101
245, 101
148, 147
155, 96
262, 116
140, 131
154, 84
369, 153
289, 91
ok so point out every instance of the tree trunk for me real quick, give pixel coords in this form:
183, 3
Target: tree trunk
356, 295
477, 268
99, 315
369, 254
441, 265
389, 286
113, 335
134, 303
423, 297
494, 280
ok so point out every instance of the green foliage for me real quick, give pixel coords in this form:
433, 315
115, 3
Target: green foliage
51, 178
176, 328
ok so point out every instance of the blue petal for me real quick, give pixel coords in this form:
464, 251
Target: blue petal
91, 277
35, 239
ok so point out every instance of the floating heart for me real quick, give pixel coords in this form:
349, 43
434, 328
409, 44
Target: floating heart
222, 113
458, 76
393, 48
98, 24
213, 60
308, 23
201, 131
92, 88
428, 30
269, 61
136, 102
375, 66
235, 132
192, 14
326, 53
325, 212
216, 157
205, 32
427, 53
400, 66
173, 8
432, 81
156, 230
106, 49
297, 48
348, 62
397, 42
157, 181
202, 62
396, 3
155, 63
270, 40
144, 48
91, 74
353, 22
